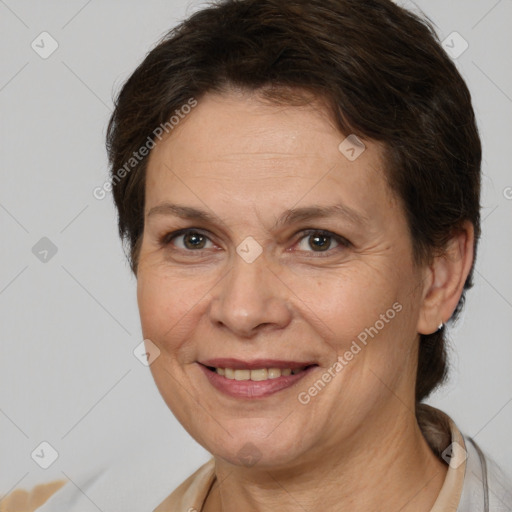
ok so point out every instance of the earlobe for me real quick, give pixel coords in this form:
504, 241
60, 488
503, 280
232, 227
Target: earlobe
448, 274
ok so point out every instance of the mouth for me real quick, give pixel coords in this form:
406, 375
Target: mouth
254, 379
257, 375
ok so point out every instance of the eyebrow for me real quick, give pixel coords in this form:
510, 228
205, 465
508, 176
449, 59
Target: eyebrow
291, 216
185, 212
296, 215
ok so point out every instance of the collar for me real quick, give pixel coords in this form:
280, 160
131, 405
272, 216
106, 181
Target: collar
447, 442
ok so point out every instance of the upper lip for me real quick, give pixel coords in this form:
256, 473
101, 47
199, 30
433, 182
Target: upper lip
239, 364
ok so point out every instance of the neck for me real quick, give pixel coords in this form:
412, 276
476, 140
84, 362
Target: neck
388, 468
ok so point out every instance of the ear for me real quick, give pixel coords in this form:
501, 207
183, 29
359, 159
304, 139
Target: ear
444, 280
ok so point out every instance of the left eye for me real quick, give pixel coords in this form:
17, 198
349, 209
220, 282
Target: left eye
320, 241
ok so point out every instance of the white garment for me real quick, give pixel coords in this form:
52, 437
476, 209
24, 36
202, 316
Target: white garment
486, 487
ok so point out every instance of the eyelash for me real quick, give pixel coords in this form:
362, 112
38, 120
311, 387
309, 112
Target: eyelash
166, 240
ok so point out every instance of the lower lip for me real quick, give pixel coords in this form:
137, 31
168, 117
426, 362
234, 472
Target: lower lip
252, 388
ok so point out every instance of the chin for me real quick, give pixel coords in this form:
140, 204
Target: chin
271, 452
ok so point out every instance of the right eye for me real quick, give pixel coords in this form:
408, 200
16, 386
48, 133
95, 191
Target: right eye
187, 240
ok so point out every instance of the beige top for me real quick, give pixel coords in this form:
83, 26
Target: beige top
438, 429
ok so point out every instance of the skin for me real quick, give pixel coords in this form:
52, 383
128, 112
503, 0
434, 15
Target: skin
356, 443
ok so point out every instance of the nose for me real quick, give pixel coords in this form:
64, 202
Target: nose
249, 299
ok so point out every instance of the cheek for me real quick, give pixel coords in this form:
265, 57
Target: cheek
169, 305
347, 300
361, 314
159, 304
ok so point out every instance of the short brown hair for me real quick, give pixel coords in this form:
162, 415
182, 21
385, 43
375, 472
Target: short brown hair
384, 76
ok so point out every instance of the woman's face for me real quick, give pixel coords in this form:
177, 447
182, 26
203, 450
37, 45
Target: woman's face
288, 252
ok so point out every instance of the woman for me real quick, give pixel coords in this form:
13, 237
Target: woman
302, 219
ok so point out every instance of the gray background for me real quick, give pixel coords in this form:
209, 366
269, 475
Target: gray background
70, 324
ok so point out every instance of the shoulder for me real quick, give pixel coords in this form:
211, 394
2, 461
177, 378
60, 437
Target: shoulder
191, 494
21, 500
485, 484
473, 480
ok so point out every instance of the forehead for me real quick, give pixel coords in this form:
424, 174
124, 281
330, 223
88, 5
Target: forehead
243, 151
238, 126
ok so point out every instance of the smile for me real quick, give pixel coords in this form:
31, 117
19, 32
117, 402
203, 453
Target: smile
257, 375
257, 379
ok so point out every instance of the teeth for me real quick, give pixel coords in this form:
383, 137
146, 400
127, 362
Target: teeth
257, 375
274, 373
242, 374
